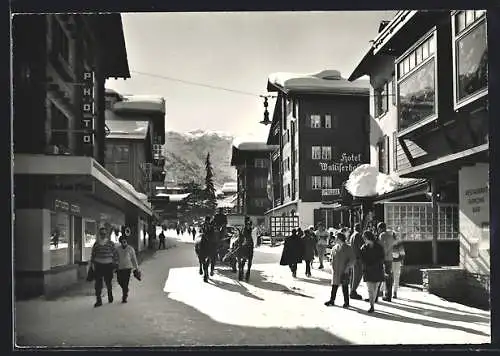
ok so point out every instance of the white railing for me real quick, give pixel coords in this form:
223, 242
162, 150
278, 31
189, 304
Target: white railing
330, 192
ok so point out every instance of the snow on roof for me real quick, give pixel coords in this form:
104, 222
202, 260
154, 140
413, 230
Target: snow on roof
127, 129
252, 146
230, 187
329, 81
367, 181
174, 197
141, 103
131, 188
228, 202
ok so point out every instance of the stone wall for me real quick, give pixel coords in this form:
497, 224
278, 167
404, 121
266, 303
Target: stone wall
458, 285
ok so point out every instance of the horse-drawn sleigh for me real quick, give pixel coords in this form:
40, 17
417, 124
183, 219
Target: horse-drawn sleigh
234, 248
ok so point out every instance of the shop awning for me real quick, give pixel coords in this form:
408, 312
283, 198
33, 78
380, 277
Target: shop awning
46, 165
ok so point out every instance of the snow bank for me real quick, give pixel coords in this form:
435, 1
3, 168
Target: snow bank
367, 181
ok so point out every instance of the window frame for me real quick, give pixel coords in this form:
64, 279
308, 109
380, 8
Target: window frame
262, 160
384, 143
482, 20
326, 149
328, 123
316, 186
311, 116
326, 182
399, 79
378, 97
318, 150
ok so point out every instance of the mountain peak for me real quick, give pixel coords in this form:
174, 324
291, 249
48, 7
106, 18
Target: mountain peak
186, 152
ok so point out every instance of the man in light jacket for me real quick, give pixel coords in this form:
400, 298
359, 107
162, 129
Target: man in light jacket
356, 242
127, 261
387, 239
342, 261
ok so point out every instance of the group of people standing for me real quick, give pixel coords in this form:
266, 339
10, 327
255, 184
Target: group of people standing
364, 255
108, 258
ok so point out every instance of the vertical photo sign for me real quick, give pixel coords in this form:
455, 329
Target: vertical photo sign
87, 123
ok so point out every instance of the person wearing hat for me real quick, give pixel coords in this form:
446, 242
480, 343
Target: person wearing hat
127, 261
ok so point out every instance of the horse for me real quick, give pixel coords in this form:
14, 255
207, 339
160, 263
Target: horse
244, 253
205, 248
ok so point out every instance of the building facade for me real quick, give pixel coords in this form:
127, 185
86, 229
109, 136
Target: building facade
251, 160
62, 191
320, 127
439, 63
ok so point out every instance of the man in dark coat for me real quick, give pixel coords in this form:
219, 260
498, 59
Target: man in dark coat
292, 252
356, 241
309, 244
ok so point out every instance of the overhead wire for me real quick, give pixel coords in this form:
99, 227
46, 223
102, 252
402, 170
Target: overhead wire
195, 83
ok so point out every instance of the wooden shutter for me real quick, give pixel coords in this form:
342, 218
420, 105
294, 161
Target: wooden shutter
322, 119
386, 143
395, 149
393, 93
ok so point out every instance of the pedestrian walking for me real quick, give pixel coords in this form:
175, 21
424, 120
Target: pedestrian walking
104, 260
398, 255
127, 262
342, 261
161, 237
322, 237
308, 243
356, 241
372, 257
193, 231
387, 239
292, 252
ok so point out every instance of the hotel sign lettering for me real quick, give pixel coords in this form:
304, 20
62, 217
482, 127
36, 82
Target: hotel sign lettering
87, 123
348, 163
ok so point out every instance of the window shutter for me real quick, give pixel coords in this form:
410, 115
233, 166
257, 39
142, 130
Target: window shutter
309, 182
393, 94
322, 118
395, 149
387, 154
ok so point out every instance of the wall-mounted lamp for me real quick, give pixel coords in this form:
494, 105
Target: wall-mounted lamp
266, 120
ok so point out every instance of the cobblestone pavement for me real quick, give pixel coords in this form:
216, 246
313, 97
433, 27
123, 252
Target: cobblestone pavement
173, 306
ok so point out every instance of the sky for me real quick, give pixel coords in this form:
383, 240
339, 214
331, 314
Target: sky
237, 51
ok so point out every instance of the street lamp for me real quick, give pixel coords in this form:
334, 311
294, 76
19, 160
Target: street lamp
266, 120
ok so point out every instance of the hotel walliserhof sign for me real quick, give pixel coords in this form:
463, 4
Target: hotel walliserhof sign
348, 162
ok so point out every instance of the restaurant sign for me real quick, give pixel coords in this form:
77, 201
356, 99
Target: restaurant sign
87, 123
348, 163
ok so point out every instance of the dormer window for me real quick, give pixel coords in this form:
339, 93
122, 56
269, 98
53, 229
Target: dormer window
470, 63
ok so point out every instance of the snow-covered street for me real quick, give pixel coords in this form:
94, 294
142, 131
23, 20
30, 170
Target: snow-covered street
173, 306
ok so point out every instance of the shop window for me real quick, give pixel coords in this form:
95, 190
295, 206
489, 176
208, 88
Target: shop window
60, 239
417, 83
471, 55
381, 101
413, 221
89, 238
